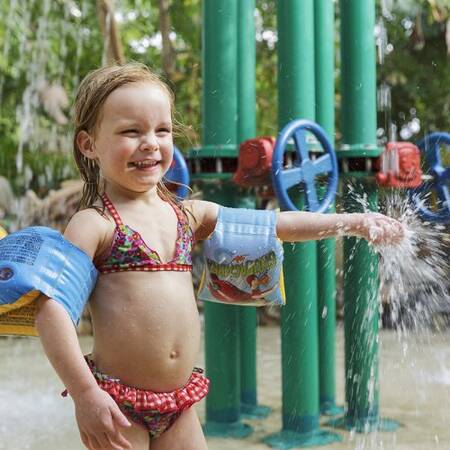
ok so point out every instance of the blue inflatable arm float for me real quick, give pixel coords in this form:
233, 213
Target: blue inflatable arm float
35, 261
243, 259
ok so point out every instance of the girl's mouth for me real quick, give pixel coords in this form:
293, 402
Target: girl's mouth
146, 164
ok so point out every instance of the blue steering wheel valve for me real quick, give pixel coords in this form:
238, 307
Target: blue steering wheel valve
305, 170
431, 147
178, 174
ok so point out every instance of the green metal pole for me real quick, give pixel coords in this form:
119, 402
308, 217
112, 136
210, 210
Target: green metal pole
360, 282
299, 326
246, 67
358, 72
220, 110
361, 326
360, 270
246, 129
326, 249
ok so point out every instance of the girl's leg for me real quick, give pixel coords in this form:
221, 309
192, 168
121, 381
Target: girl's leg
137, 436
185, 434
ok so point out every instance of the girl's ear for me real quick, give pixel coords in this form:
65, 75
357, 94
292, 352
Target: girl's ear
85, 144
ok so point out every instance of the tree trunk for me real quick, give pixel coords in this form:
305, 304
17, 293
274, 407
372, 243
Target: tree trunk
168, 53
113, 52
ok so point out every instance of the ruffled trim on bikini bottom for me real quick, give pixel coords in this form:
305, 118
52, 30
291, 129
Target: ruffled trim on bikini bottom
141, 400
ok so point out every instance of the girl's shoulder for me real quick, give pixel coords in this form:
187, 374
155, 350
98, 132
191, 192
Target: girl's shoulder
93, 216
89, 229
205, 217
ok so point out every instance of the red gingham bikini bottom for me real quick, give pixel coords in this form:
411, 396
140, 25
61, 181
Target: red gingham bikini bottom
156, 411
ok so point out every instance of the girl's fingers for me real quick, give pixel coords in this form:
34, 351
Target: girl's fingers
383, 229
395, 231
93, 443
120, 418
114, 436
105, 442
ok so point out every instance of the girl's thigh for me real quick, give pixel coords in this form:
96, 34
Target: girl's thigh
185, 434
137, 436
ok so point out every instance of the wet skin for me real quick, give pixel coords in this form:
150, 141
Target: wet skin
146, 327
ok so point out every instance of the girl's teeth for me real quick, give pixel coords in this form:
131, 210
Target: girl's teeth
145, 164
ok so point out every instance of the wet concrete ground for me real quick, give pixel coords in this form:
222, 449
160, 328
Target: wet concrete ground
414, 379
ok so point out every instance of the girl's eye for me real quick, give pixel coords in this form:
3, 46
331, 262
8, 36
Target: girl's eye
165, 130
130, 131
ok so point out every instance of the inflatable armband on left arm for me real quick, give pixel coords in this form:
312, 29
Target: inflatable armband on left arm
243, 259
39, 260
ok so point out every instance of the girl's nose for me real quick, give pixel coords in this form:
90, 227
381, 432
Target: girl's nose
149, 143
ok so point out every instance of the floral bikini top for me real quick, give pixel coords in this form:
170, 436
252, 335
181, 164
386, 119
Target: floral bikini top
129, 252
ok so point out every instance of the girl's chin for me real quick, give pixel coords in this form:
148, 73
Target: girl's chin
136, 187
147, 176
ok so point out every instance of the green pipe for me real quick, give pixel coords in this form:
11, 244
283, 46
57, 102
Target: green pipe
326, 278
361, 324
219, 44
299, 326
248, 324
360, 263
360, 268
300, 409
296, 83
326, 259
220, 109
358, 72
326, 249
246, 71
246, 129
299, 340
324, 65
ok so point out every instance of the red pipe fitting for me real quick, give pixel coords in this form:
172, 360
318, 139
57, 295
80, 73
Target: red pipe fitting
255, 162
399, 166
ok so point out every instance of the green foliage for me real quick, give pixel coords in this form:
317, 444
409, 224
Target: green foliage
142, 42
266, 69
43, 42
59, 41
418, 68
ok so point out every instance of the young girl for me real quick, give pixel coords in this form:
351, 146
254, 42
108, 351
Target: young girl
145, 320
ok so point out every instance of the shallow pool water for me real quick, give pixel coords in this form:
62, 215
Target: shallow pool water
414, 390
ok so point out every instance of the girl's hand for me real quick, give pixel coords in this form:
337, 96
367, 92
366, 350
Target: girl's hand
99, 419
378, 229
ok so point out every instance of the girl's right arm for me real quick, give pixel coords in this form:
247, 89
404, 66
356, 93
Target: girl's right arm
98, 416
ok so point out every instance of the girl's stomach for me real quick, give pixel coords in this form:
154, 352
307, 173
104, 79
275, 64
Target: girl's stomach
146, 328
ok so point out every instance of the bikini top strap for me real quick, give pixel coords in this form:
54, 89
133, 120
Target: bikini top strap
177, 211
111, 209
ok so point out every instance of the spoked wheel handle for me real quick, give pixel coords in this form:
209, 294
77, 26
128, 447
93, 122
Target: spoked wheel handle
305, 169
431, 146
178, 173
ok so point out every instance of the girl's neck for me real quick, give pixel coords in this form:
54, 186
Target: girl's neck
118, 194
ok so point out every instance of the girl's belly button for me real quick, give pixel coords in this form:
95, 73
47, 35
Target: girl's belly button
174, 354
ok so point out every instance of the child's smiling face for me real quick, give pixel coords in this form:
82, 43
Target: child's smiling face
132, 142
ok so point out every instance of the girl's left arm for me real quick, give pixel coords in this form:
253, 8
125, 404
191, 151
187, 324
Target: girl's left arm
303, 226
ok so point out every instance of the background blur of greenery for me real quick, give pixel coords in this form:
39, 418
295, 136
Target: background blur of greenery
59, 41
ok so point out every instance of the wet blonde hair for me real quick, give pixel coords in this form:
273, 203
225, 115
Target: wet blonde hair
89, 100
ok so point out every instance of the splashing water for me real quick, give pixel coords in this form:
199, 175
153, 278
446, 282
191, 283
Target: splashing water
414, 290
414, 274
